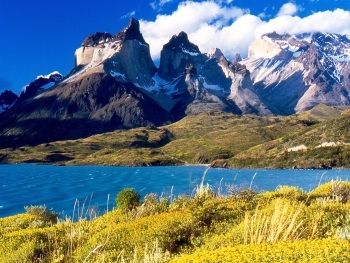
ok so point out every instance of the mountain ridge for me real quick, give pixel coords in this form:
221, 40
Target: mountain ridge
283, 75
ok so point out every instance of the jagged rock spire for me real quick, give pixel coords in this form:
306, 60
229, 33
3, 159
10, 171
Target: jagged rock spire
215, 53
131, 32
180, 42
176, 54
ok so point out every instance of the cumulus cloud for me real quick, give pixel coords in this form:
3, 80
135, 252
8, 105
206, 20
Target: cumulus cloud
212, 24
288, 9
204, 20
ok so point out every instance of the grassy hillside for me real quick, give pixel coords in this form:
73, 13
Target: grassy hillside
221, 139
285, 225
326, 146
195, 139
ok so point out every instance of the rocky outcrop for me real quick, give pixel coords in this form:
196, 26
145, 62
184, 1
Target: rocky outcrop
176, 55
132, 32
38, 85
7, 99
201, 81
97, 38
236, 58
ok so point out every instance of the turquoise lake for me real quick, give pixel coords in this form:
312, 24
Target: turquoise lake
73, 190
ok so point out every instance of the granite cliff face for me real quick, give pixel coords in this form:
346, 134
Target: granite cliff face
115, 84
126, 56
189, 81
176, 55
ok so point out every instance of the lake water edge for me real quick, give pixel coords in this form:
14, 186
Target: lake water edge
60, 187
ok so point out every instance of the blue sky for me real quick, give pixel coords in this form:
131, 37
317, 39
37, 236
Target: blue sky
38, 37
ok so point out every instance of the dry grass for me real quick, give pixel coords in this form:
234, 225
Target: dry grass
283, 223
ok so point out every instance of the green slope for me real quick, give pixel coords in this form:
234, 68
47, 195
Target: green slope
326, 145
221, 139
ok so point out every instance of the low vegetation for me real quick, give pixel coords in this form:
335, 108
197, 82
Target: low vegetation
222, 139
285, 225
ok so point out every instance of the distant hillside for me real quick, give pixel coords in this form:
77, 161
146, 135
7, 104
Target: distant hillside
324, 144
222, 139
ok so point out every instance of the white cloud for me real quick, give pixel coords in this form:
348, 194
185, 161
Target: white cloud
211, 24
163, 2
224, 1
288, 9
131, 14
158, 4
202, 20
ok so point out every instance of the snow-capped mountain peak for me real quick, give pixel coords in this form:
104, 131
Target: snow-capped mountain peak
300, 71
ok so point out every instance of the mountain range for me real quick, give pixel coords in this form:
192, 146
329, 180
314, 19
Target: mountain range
116, 85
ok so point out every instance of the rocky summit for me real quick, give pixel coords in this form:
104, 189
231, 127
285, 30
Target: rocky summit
116, 85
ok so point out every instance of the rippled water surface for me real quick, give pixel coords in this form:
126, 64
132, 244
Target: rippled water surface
68, 189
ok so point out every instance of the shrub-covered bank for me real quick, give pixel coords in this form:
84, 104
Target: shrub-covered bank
285, 225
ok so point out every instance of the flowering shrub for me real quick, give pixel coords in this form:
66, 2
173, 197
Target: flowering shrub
288, 192
278, 226
172, 230
334, 190
301, 251
151, 205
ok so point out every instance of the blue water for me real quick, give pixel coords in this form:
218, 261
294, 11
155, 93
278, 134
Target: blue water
69, 190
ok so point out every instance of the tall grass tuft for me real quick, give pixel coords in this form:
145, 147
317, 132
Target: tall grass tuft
282, 224
204, 190
150, 255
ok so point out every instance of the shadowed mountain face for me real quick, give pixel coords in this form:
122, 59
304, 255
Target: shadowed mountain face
7, 99
91, 105
115, 84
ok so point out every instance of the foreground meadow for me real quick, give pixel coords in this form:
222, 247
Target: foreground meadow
285, 225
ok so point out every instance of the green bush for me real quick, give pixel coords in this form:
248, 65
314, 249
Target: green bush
151, 205
47, 216
334, 190
284, 191
127, 199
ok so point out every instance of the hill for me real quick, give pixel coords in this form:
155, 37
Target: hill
222, 139
320, 145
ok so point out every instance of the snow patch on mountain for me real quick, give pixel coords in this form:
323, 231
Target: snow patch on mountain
162, 86
341, 58
211, 87
55, 75
117, 75
192, 53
